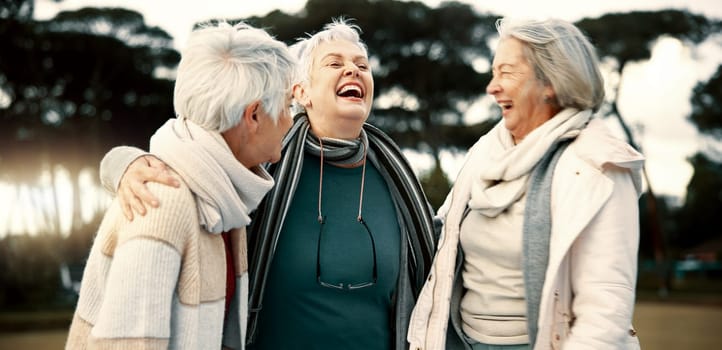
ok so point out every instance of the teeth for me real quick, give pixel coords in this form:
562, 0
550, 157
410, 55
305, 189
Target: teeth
348, 88
505, 105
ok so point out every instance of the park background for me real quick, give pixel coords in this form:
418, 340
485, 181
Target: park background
76, 82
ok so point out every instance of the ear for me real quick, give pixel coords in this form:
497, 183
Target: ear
550, 96
549, 92
250, 116
301, 96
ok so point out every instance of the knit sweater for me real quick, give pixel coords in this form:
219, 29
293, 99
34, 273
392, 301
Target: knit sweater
159, 281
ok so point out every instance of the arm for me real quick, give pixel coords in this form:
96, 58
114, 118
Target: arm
143, 277
604, 271
127, 169
114, 165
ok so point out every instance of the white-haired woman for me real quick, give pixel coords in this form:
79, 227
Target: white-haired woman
540, 236
177, 277
341, 246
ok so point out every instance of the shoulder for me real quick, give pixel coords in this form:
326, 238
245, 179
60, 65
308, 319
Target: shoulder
600, 148
171, 222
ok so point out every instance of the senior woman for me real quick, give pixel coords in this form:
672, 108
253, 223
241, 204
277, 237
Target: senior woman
177, 277
341, 246
540, 236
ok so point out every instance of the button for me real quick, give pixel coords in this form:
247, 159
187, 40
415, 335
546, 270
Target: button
633, 332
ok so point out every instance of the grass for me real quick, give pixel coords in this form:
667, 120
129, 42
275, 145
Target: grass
660, 326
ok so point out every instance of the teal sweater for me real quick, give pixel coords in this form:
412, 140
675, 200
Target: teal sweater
316, 317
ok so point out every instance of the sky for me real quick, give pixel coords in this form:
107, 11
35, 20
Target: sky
654, 97
178, 17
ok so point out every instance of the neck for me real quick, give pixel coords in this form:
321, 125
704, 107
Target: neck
336, 127
534, 122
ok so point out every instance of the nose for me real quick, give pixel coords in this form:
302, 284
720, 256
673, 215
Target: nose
351, 70
493, 87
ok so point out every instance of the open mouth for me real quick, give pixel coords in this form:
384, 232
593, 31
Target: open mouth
505, 105
350, 90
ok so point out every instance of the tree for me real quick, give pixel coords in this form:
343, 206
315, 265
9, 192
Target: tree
707, 106
17, 9
628, 37
84, 90
698, 219
71, 88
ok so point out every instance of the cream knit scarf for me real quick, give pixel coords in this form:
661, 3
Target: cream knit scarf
225, 190
504, 167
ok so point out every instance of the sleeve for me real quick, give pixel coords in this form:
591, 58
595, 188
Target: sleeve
604, 271
114, 165
139, 299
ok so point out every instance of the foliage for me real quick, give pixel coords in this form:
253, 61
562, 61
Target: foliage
707, 105
17, 9
698, 220
628, 36
89, 85
84, 93
436, 186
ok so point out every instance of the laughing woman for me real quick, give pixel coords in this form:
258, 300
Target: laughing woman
540, 236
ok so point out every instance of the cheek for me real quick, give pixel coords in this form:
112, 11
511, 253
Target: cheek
370, 84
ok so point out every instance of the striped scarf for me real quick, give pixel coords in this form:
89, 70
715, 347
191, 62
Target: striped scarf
414, 212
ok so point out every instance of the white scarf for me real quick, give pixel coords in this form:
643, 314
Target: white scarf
504, 167
225, 190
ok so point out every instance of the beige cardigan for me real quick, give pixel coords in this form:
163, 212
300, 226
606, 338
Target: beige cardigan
159, 282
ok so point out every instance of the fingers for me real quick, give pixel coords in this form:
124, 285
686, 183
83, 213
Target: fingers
133, 182
141, 195
159, 172
129, 202
133, 193
127, 211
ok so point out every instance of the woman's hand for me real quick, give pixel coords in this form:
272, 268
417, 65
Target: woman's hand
133, 193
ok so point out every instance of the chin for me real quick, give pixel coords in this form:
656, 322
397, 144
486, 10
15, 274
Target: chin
354, 112
509, 123
359, 116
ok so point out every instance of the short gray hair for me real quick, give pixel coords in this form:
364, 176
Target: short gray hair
338, 29
224, 68
562, 57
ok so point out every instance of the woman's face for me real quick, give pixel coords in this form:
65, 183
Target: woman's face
339, 95
257, 138
269, 142
517, 91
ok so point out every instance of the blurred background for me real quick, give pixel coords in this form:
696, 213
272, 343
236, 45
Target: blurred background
78, 77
